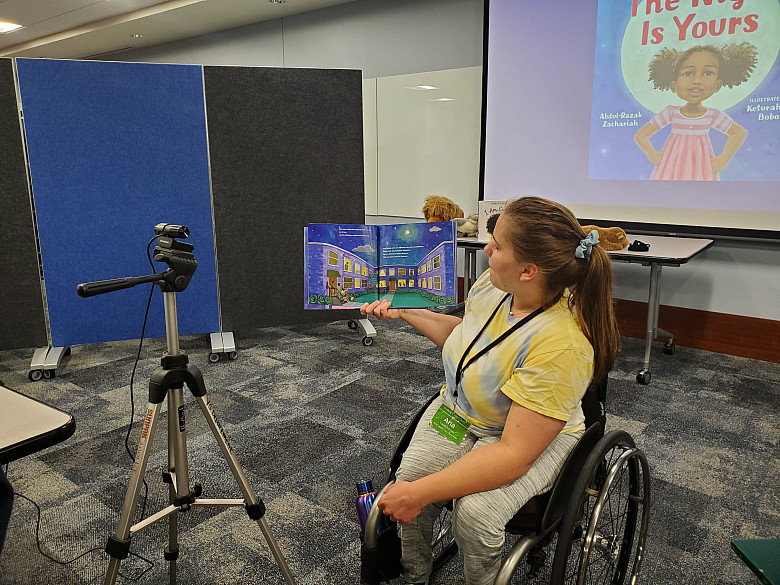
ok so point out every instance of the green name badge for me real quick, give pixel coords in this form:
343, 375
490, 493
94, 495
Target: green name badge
449, 425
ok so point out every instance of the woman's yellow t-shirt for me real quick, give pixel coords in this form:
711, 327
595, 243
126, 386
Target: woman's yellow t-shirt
545, 366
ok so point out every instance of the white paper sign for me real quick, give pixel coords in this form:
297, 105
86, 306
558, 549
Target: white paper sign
487, 209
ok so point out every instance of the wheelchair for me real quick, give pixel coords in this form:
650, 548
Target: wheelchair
593, 522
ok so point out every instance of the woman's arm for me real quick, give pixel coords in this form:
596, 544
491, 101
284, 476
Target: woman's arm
435, 326
526, 435
737, 135
642, 139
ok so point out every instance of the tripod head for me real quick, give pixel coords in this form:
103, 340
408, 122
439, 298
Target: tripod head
177, 255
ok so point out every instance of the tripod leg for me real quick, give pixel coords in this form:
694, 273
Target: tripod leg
254, 505
178, 470
118, 546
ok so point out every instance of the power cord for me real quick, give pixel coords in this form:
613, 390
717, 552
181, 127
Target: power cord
74, 559
132, 375
127, 448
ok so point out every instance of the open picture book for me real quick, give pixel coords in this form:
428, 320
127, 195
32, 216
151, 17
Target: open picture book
410, 264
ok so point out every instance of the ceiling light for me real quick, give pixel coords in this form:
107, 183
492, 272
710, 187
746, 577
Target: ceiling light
422, 87
442, 100
6, 27
277, 1
161, 8
137, 36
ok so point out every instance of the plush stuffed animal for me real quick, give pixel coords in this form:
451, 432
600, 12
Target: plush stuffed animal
436, 208
612, 238
467, 226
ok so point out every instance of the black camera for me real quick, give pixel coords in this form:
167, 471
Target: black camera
171, 230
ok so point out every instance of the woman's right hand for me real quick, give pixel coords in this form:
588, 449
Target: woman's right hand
380, 310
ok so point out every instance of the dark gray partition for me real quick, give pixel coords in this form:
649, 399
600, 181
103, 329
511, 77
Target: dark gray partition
286, 149
21, 311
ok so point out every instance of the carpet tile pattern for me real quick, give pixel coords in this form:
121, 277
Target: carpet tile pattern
309, 410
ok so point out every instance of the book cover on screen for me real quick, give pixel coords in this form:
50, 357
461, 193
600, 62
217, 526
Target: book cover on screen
686, 90
410, 264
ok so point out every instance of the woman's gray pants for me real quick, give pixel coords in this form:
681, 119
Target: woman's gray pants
478, 519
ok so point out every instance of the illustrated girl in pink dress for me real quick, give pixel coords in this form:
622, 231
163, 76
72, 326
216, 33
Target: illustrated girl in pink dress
694, 75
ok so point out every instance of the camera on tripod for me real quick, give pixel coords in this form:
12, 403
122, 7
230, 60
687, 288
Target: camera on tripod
177, 255
167, 383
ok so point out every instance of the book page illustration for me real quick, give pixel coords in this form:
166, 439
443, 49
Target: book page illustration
410, 265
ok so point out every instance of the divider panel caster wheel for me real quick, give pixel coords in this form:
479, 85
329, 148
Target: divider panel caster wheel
352, 324
643, 377
214, 358
669, 348
367, 341
232, 355
49, 374
35, 375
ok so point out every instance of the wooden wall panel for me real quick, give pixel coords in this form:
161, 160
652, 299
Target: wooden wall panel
730, 334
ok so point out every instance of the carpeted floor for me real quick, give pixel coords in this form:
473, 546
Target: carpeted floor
309, 411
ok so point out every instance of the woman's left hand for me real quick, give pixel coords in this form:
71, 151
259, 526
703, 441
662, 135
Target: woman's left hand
400, 502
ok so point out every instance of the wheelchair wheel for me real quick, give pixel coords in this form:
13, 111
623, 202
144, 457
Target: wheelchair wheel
443, 545
602, 535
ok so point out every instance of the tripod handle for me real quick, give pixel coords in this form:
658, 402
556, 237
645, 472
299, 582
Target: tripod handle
90, 289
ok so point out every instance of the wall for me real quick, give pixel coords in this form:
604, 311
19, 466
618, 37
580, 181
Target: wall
395, 37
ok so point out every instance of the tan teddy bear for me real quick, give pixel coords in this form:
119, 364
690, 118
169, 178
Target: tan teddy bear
437, 208
612, 238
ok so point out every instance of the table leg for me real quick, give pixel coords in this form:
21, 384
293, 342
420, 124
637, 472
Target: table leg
652, 332
469, 270
653, 302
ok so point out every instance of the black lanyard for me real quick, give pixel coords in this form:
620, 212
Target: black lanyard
504, 335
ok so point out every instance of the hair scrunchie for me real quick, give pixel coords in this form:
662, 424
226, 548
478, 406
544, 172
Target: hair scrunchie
583, 249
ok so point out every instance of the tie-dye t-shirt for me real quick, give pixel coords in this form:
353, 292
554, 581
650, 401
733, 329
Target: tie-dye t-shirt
545, 366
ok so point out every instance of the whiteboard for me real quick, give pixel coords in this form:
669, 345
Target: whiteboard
428, 131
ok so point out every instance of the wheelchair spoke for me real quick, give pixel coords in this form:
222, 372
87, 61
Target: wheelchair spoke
597, 543
612, 548
443, 546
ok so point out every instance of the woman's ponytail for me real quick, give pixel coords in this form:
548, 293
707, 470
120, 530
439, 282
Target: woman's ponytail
548, 234
592, 297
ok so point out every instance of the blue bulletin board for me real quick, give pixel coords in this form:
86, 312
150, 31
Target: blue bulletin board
114, 149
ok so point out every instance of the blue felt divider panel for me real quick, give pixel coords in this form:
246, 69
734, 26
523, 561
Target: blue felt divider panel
22, 323
114, 149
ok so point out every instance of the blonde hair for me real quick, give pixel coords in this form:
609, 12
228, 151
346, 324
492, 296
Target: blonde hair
441, 207
546, 233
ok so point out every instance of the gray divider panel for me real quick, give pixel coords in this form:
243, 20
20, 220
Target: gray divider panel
22, 322
286, 149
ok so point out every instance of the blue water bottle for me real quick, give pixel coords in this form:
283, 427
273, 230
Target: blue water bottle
365, 500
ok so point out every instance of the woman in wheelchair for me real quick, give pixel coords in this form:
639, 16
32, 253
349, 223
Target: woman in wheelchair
538, 330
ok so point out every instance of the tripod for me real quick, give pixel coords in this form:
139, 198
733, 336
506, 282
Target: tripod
168, 381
